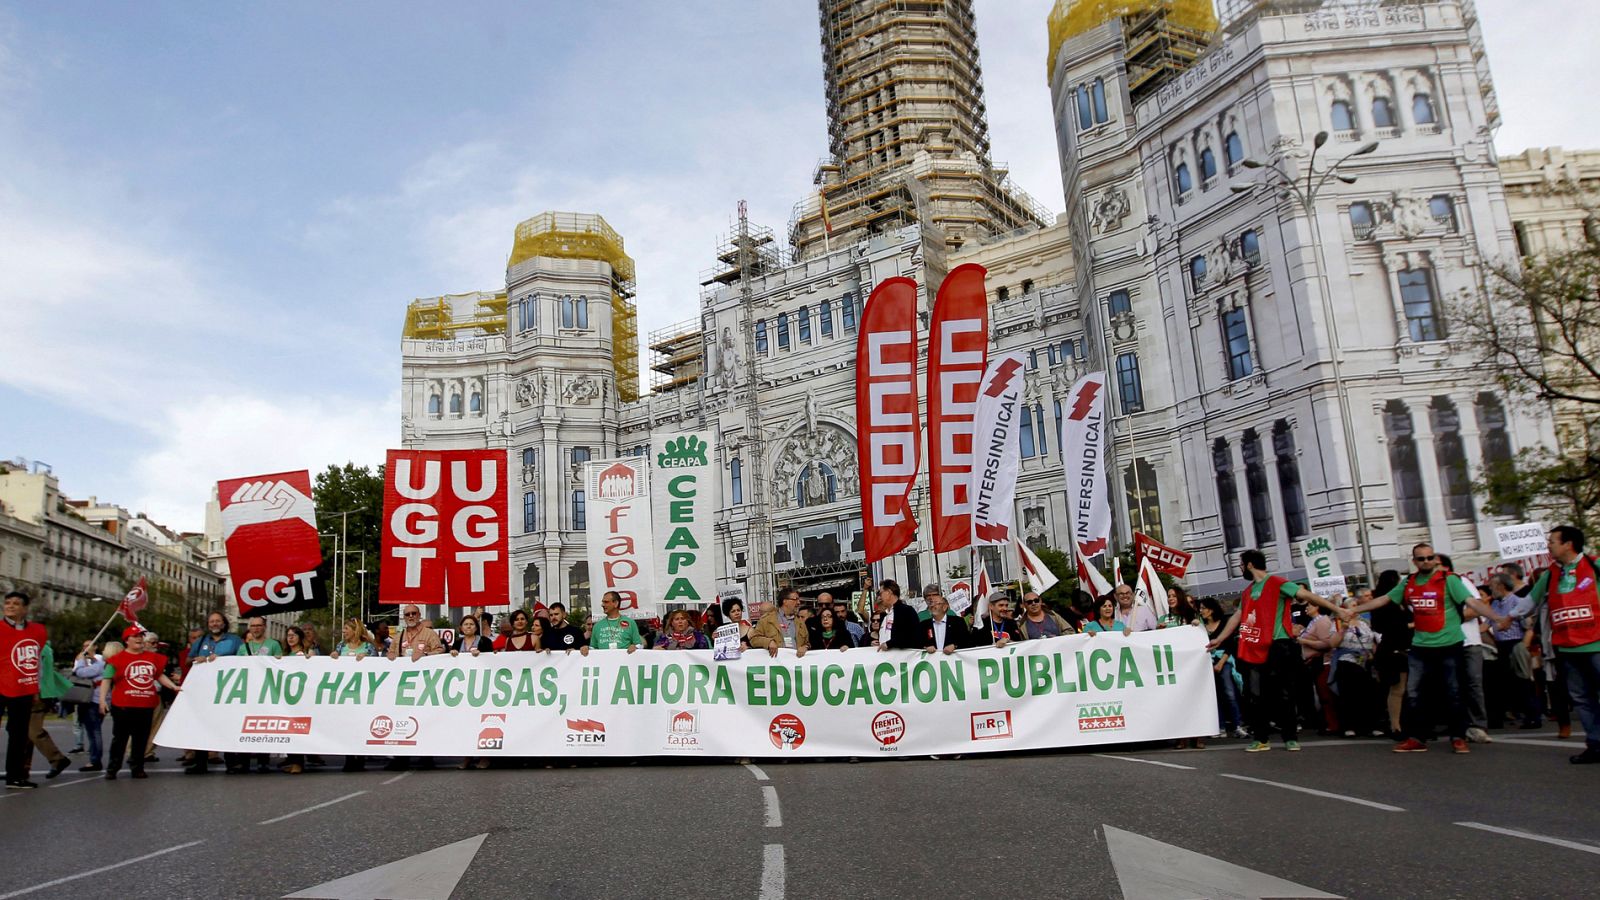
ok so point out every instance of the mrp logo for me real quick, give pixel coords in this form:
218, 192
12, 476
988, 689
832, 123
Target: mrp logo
276, 725
493, 733
585, 732
1101, 717
992, 726
25, 656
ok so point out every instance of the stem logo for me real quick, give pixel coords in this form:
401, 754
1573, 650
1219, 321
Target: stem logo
585, 732
682, 452
787, 732
1101, 717
388, 731
493, 735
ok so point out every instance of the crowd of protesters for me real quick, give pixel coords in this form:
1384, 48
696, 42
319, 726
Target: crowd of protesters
1418, 652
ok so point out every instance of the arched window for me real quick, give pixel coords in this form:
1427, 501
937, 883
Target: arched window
816, 485
530, 585
1118, 303
761, 336
1208, 165
1339, 116
1361, 222
1097, 93
435, 405
1236, 344
1294, 502
1422, 110
805, 324
825, 318
1227, 495
1410, 505
1129, 388
1451, 455
1002, 294
1382, 113
1025, 434
455, 404
475, 403
1494, 440
847, 309
1038, 418
1443, 211
1422, 313
1085, 113
783, 331
567, 316
582, 305
1234, 149
1143, 497
1250, 246
1197, 272
530, 512
578, 586
1181, 176
736, 472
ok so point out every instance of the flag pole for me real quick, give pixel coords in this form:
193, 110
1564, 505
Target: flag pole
114, 613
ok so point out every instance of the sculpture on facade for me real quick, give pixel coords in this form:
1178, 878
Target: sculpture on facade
581, 390
1111, 209
727, 361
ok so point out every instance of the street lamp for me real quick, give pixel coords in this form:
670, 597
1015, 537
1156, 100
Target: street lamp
1304, 194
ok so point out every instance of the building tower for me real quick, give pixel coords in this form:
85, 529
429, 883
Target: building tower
908, 132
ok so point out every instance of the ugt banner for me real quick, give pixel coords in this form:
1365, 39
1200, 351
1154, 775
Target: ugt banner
444, 531
1063, 692
958, 351
888, 435
1083, 449
683, 498
994, 475
621, 553
269, 530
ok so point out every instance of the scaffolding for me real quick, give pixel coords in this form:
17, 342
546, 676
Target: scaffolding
1163, 37
680, 351
450, 316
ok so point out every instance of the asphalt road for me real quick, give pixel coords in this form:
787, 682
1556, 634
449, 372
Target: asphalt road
1134, 822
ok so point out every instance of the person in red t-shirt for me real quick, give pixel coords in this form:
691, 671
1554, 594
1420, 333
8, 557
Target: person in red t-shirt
131, 678
21, 643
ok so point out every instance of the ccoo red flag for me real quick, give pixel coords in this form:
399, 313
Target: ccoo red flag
888, 434
958, 352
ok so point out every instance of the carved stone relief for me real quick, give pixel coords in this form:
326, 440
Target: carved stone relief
804, 450
1110, 210
581, 390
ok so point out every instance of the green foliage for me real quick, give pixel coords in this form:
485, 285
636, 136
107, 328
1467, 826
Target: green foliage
359, 490
1537, 477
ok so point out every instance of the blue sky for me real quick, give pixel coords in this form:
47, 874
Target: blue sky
213, 215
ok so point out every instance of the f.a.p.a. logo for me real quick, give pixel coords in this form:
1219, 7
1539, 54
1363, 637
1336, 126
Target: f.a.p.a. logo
1106, 716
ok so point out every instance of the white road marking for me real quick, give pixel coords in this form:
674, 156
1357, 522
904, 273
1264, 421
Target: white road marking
1148, 762
1537, 742
1238, 747
1512, 832
61, 784
312, 808
117, 865
1151, 870
388, 781
1315, 793
771, 872
756, 771
427, 876
774, 815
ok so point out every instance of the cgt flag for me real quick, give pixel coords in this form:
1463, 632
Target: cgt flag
958, 352
1083, 445
1167, 560
888, 435
444, 528
994, 473
134, 602
269, 530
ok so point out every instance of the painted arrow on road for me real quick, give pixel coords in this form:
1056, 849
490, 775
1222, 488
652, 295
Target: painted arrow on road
1150, 870
427, 876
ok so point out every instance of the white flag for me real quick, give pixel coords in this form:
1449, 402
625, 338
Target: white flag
983, 593
1034, 569
1089, 577
1083, 443
996, 452
1148, 590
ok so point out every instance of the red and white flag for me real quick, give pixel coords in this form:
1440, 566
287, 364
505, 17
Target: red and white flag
983, 592
444, 528
1167, 560
997, 454
958, 351
1089, 578
269, 530
1083, 444
1040, 578
134, 602
1147, 589
888, 433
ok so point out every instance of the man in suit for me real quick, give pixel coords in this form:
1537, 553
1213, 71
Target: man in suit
943, 632
901, 629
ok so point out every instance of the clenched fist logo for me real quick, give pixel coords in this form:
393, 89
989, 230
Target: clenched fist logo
256, 502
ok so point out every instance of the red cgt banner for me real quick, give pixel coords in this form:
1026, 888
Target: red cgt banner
888, 435
1167, 560
269, 529
444, 536
958, 352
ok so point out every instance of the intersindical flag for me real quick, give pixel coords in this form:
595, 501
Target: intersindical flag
888, 430
958, 353
1083, 443
997, 454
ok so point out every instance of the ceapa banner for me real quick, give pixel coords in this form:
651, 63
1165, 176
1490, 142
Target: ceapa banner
888, 433
683, 499
444, 535
269, 529
1061, 692
958, 352
617, 534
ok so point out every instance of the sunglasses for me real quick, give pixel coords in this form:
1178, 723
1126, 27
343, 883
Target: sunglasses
1425, 558
413, 615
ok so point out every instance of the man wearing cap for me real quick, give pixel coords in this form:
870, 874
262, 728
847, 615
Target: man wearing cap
997, 628
21, 643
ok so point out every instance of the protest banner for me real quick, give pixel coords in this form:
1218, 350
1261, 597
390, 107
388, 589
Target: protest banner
958, 351
960, 597
618, 535
1167, 560
725, 642
997, 455
683, 500
888, 435
1083, 450
1063, 692
1323, 574
269, 530
1522, 541
444, 528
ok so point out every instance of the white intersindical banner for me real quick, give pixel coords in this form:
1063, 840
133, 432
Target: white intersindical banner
683, 495
1083, 449
617, 533
1060, 692
996, 452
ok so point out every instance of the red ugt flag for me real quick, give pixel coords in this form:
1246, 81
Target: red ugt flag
445, 538
134, 602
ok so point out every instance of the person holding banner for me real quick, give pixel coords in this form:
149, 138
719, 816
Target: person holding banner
1568, 591
680, 634
561, 635
782, 627
830, 632
520, 640
469, 640
416, 640
734, 611
355, 642
614, 632
1273, 672
1131, 616
132, 678
944, 633
1105, 619
1039, 622
901, 628
256, 642
996, 628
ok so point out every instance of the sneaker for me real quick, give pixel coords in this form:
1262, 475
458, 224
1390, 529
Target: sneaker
1457, 745
60, 766
1479, 736
1588, 757
1291, 745
1240, 733
1410, 745
20, 785
1258, 747
1349, 733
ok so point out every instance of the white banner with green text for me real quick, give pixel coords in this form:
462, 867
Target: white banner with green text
1060, 692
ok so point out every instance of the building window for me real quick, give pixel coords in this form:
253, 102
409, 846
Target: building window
1443, 211
530, 506
847, 309
1144, 500
1085, 112
1361, 222
1494, 440
567, 315
1129, 388
1451, 455
530, 585
1097, 93
1422, 110
1066, 351
581, 455
1382, 113
1197, 273
825, 318
1002, 294
527, 314
783, 331
1185, 183
1027, 285
580, 511
761, 336
1339, 116
1025, 434
1118, 303
1255, 479
1038, 418
1236, 344
736, 472
1294, 502
455, 404
1422, 314
1410, 505
582, 305
1234, 148
805, 325
1524, 244
435, 405
475, 403
1250, 247
1227, 495
1208, 166
1060, 448
578, 588
816, 485
530, 458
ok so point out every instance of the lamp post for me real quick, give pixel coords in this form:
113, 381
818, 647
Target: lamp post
1304, 193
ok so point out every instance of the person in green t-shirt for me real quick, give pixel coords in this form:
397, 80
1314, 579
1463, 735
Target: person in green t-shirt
1571, 627
615, 632
256, 642
1437, 599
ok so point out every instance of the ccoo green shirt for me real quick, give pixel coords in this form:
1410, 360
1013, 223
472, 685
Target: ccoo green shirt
615, 634
1568, 582
1455, 592
1287, 592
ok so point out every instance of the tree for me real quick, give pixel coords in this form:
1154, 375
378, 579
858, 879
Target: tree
1540, 337
357, 490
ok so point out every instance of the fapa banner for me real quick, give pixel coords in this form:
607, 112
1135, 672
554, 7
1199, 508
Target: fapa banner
1062, 692
444, 534
618, 537
269, 530
683, 498
958, 352
888, 435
